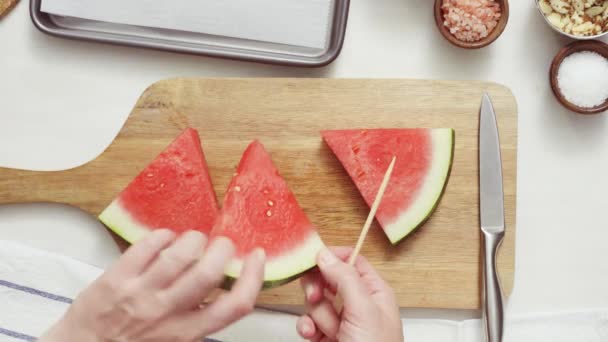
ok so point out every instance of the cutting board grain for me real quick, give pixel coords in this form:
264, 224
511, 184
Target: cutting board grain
437, 267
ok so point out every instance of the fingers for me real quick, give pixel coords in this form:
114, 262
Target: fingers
345, 279
320, 307
306, 329
371, 277
313, 285
227, 309
137, 258
361, 263
343, 253
377, 287
202, 277
322, 319
240, 301
174, 260
325, 317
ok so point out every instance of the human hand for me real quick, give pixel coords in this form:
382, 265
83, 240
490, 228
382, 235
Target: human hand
154, 291
369, 313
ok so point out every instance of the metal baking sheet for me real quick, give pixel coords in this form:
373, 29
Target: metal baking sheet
197, 43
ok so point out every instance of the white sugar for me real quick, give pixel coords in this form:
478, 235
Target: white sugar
583, 79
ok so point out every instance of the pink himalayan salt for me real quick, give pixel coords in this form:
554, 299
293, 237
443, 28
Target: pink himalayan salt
471, 20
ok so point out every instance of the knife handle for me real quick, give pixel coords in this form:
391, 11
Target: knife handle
492, 306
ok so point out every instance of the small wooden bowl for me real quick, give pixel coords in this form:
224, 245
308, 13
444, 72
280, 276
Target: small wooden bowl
498, 30
587, 45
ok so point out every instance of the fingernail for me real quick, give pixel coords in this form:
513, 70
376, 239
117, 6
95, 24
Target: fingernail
306, 329
194, 235
326, 258
308, 291
224, 242
160, 237
260, 254
164, 233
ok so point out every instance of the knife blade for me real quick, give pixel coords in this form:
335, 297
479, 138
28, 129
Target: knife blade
492, 219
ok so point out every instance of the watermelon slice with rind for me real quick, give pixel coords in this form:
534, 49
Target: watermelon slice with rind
420, 175
174, 192
260, 211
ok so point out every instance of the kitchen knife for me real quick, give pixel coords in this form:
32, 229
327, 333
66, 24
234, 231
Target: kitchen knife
492, 219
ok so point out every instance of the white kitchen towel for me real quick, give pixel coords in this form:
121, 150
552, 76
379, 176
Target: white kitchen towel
36, 287
293, 22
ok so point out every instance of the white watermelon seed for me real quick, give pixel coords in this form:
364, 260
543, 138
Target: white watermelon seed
269, 213
237, 188
265, 192
270, 203
150, 174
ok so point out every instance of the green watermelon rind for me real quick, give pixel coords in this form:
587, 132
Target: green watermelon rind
118, 219
267, 285
283, 269
279, 270
443, 157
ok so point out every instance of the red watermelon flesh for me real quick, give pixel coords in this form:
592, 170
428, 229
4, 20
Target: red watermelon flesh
174, 192
260, 211
424, 159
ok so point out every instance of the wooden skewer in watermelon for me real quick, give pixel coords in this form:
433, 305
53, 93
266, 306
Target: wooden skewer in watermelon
259, 210
424, 160
372, 212
338, 301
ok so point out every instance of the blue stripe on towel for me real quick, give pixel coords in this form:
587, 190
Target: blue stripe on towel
43, 294
35, 292
17, 335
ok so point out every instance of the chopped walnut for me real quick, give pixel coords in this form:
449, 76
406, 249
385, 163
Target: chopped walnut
577, 17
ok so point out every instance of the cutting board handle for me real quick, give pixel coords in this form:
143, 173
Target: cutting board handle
23, 186
92, 186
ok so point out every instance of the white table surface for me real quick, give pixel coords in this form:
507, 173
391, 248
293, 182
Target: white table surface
62, 102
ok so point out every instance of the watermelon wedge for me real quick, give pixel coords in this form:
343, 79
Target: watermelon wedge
173, 192
424, 160
259, 210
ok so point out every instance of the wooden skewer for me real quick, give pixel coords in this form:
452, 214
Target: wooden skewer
338, 302
372, 213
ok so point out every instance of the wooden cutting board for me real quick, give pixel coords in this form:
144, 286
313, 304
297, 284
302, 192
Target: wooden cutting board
436, 267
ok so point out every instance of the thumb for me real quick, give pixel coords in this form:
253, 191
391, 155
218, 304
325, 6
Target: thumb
345, 279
